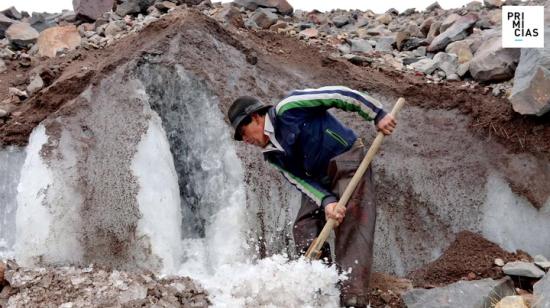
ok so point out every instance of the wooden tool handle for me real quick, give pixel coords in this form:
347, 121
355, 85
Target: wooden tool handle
314, 250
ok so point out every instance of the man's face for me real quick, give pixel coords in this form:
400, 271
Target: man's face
253, 132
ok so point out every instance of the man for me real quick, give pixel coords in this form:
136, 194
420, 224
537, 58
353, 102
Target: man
319, 155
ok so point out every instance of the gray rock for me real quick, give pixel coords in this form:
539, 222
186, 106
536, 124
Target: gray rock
3, 67
392, 11
340, 20
433, 6
540, 258
357, 60
545, 265
426, 66
434, 31
524, 269
462, 294
12, 13
282, 6
43, 21
426, 25
463, 69
384, 44
492, 4
384, 18
474, 6
461, 49
530, 93
131, 7
114, 28
165, 6
409, 61
448, 63
5, 23
264, 18
17, 93
408, 12
360, 46
499, 262
541, 290
413, 43
230, 14
35, 85
21, 34
3, 113
420, 51
92, 9
453, 77
491, 62
458, 31
449, 21
7, 54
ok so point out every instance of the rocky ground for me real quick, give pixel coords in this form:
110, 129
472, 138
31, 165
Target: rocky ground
437, 58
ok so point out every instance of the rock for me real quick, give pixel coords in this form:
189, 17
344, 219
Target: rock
360, 46
114, 28
462, 294
17, 93
495, 17
492, 4
434, 31
426, 66
35, 85
499, 262
392, 11
5, 23
279, 25
384, 19
449, 21
433, 6
12, 13
474, 6
56, 39
426, 25
514, 301
413, 43
91, 9
165, 6
3, 67
448, 63
130, 7
491, 62
540, 258
3, 114
264, 18
230, 14
541, 290
461, 49
453, 77
530, 93
43, 21
463, 69
21, 34
282, 6
309, 33
340, 20
420, 51
523, 269
357, 60
408, 12
384, 44
400, 38
458, 31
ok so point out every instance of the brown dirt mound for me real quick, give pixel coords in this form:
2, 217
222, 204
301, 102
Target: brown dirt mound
469, 257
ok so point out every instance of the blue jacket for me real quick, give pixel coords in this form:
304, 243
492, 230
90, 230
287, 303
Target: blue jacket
305, 136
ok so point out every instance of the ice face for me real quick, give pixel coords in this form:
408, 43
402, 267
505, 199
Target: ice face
11, 161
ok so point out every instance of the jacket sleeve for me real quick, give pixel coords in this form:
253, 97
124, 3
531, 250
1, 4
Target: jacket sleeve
310, 188
335, 96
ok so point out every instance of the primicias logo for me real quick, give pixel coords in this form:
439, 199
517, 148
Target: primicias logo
523, 26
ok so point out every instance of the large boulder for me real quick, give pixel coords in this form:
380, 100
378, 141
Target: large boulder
21, 34
129, 7
530, 93
5, 23
460, 29
282, 6
462, 294
541, 290
43, 21
262, 18
53, 40
461, 49
12, 13
92, 9
491, 62
446, 62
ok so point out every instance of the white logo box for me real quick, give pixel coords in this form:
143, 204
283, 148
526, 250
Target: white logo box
522, 26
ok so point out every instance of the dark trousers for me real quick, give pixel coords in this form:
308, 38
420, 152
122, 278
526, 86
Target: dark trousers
355, 235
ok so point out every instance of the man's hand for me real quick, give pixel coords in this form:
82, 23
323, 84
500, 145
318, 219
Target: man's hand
336, 212
387, 124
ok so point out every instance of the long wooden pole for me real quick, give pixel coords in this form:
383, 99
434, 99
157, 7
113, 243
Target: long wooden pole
314, 251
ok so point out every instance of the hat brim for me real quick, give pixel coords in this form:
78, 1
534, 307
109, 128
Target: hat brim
237, 135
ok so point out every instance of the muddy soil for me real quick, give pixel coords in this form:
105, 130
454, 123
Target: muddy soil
469, 257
